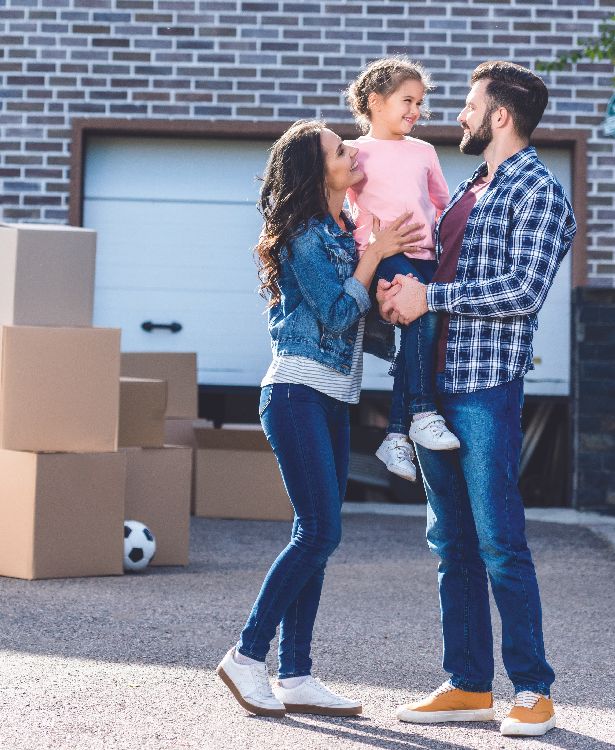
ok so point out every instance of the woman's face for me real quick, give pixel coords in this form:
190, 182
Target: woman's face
341, 170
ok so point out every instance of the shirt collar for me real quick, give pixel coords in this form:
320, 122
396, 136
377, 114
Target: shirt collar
508, 166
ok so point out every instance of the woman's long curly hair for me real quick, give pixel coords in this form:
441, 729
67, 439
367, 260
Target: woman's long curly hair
292, 193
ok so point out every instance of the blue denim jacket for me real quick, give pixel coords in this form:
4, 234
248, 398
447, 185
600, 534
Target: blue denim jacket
318, 314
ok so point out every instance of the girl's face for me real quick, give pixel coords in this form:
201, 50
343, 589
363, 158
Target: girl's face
398, 112
341, 170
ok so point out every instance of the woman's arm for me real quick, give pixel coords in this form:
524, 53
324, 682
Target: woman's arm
337, 304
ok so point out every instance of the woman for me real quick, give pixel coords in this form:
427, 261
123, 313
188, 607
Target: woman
318, 296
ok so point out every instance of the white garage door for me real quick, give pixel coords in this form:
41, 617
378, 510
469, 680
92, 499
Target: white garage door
176, 221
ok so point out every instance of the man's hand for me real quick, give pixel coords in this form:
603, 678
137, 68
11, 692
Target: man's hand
408, 303
386, 291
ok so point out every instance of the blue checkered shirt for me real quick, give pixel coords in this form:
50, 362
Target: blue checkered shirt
516, 236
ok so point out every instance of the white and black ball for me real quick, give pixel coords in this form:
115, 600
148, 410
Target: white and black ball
139, 545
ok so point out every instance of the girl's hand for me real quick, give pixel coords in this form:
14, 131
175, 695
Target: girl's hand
395, 238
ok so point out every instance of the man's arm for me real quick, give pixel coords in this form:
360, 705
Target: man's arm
542, 233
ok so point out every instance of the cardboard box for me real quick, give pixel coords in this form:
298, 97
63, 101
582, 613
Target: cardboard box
177, 368
237, 476
158, 494
59, 389
143, 403
182, 432
61, 514
46, 275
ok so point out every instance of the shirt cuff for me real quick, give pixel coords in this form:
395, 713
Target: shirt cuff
439, 296
359, 293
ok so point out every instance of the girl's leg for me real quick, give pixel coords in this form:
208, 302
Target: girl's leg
296, 421
427, 428
298, 622
396, 452
399, 419
420, 351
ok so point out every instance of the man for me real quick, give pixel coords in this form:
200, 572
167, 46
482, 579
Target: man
499, 242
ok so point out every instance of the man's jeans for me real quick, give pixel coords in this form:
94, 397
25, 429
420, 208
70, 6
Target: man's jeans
309, 433
414, 369
476, 525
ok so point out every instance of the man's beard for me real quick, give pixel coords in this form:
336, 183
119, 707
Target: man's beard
474, 145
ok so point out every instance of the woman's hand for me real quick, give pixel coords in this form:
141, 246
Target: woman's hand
395, 238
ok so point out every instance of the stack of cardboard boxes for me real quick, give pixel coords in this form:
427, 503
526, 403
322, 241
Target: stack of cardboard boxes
156, 387
65, 487
62, 481
81, 448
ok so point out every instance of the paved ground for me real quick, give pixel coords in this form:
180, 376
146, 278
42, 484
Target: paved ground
127, 663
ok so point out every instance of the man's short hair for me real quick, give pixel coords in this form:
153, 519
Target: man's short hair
516, 88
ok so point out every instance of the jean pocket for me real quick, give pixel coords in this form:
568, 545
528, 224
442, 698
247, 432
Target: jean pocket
265, 399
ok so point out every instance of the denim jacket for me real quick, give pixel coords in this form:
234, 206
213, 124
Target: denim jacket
321, 303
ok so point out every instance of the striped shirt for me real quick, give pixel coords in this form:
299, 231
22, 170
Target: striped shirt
304, 371
516, 236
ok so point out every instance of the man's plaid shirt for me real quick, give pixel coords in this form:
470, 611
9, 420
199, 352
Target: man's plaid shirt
514, 241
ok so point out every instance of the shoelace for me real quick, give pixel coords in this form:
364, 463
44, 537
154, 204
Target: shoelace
526, 698
436, 426
262, 680
403, 451
445, 687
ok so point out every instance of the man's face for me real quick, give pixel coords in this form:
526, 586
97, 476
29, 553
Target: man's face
475, 119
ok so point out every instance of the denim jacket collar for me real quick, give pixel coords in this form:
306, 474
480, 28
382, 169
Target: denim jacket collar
335, 228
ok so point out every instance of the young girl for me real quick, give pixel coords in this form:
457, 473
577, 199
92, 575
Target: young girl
318, 297
401, 174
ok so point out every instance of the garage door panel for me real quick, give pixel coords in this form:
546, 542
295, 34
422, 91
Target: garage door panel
168, 169
177, 222
223, 329
180, 244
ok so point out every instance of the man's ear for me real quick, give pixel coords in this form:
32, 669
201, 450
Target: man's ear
501, 117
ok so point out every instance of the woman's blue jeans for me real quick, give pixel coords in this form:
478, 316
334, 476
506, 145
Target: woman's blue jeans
310, 436
415, 365
476, 525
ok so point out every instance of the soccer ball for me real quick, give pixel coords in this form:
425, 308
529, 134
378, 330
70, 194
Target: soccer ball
139, 545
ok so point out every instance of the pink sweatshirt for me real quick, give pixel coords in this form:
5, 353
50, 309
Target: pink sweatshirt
399, 176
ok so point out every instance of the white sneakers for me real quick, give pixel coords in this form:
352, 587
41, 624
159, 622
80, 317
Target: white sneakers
398, 456
397, 453
249, 683
432, 432
312, 697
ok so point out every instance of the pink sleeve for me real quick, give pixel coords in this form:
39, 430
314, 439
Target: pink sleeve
438, 189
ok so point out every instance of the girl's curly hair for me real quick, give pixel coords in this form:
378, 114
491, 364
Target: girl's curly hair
293, 192
383, 77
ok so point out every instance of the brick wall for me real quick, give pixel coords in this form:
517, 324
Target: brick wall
594, 398
261, 60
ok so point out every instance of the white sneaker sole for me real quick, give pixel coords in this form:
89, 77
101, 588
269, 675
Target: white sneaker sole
251, 707
515, 729
448, 445
304, 708
411, 477
440, 717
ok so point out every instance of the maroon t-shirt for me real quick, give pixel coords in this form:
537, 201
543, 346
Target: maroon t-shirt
452, 230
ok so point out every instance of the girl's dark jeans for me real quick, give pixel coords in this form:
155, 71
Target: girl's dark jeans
415, 364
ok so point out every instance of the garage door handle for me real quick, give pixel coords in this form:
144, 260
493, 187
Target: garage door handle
149, 326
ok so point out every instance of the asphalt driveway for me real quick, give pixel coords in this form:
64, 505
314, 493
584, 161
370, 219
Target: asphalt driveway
128, 663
